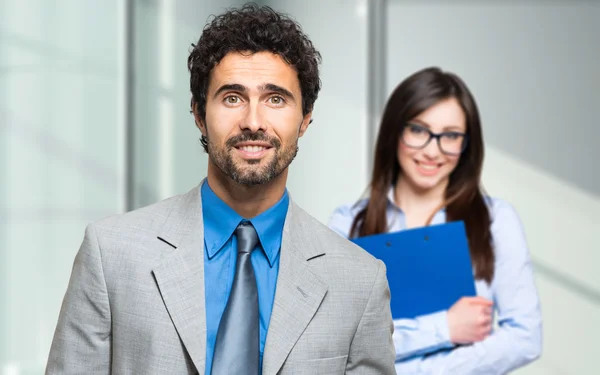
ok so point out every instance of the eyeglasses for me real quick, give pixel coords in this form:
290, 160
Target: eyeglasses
450, 143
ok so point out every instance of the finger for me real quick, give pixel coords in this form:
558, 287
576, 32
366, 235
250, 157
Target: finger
485, 332
485, 321
488, 329
481, 301
484, 309
481, 336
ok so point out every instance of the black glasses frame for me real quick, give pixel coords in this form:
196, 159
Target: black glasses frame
437, 137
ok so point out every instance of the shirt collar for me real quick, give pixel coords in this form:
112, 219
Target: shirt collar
392, 201
220, 222
390, 196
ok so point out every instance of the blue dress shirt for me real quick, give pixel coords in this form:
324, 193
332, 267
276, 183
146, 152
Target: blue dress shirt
220, 257
423, 344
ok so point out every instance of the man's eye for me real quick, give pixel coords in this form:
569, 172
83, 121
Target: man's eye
276, 100
232, 99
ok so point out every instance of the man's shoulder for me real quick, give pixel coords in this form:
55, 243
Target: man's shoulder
149, 218
340, 264
336, 247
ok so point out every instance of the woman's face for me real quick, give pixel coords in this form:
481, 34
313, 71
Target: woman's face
429, 167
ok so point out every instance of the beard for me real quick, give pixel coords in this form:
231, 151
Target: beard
252, 172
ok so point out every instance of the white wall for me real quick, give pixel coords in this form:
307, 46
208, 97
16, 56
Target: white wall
532, 65
561, 223
533, 69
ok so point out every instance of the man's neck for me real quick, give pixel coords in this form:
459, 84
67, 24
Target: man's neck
247, 201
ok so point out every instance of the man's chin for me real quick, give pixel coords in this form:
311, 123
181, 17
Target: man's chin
251, 176
251, 180
251, 167
241, 162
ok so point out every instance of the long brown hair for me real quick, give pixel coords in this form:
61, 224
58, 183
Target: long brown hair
464, 198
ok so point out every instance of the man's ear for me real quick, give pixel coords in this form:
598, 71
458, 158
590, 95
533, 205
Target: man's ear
199, 122
306, 121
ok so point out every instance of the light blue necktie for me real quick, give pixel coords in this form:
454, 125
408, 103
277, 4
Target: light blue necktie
238, 341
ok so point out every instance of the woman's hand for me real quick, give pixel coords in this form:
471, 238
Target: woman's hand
470, 320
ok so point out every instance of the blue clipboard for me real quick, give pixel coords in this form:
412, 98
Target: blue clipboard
428, 268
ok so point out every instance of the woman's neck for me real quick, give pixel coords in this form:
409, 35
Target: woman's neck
418, 205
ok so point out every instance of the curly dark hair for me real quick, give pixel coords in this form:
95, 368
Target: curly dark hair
253, 29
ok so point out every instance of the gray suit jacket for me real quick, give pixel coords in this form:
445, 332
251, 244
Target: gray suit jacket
135, 300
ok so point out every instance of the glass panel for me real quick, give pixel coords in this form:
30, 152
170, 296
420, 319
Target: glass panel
60, 158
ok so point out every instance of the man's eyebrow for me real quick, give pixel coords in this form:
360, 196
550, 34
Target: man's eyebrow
277, 89
230, 87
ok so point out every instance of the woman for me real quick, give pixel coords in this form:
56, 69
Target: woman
428, 162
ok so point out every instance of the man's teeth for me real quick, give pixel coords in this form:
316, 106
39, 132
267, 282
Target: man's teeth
252, 148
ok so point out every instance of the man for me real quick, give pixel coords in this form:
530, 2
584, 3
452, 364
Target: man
232, 277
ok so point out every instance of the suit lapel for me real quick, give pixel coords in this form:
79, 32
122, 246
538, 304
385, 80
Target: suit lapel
180, 275
298, 295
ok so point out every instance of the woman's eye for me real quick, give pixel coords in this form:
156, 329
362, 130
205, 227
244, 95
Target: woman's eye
416, 129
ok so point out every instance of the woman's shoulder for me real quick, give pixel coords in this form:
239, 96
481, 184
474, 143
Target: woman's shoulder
343, 216
508, 232
351, 209
501, 210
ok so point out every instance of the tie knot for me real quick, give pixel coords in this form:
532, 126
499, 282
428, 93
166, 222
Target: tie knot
247, 237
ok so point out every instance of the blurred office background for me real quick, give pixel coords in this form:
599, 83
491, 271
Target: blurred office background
94, 120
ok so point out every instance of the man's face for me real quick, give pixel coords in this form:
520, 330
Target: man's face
253, 116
